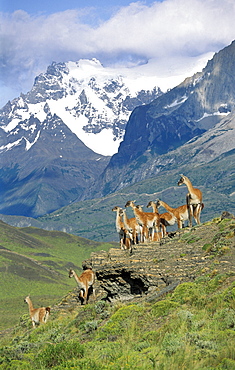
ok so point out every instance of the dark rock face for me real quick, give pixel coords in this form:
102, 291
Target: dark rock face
189, 110
175, 117
48, 175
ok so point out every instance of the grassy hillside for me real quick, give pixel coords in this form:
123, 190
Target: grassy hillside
184, 331
35, 261
192, 327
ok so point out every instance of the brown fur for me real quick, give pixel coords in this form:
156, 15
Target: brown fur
193, 200
180, 213
84, 281
166, 219
148, 220
132, 226
125, 237
37, 315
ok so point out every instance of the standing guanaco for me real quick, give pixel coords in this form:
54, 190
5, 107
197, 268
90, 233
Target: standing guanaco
193, 200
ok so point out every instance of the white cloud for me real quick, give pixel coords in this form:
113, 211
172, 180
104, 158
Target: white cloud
163, 31
169, 27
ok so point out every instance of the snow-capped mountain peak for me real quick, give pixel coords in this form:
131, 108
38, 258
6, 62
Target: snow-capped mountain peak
94, 103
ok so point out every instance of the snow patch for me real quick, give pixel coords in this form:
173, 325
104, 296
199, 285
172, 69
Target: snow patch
205, 115
176, 102
9, 146
12, 125
29, 144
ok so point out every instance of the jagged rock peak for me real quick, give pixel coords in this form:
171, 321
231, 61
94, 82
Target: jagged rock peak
202, 106
94, 102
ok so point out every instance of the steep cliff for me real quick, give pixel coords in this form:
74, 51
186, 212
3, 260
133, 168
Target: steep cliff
200, 108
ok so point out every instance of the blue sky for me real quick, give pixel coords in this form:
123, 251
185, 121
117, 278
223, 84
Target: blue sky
53, 6
170, 33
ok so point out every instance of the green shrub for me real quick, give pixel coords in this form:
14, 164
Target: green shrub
190, 237
141, 345
120, 320
58, 354
227, 364
188, 293
207, 247
100, 307
171, 344
15, 352
228, 295
226, 318
81, 364
162, 308
90, 326
201, 341
186, 317
17, 365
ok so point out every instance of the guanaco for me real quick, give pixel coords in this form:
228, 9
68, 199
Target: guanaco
125, 236
37, 315
132, 226
84, 281
193, 200
148, 220
180, 213
166, 218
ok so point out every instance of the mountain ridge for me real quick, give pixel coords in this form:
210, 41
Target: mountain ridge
202, 106
44, 165
190, 125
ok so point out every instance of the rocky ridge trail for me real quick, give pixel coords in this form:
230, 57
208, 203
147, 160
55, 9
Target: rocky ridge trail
154, 269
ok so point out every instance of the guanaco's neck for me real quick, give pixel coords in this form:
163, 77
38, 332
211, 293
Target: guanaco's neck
76, 277
155, 209
137, 211
30, 304
189, 185
125, 217
165, 205
118, 221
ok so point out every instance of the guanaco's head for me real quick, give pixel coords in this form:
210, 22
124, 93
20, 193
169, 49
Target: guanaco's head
71, 273
121, 212
150, 204
130, 203
26, 300
139, 207
158, 203
116, 209
182, 180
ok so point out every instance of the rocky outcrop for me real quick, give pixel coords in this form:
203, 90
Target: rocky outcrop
154, 269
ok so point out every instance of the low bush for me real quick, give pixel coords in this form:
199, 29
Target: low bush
58, 354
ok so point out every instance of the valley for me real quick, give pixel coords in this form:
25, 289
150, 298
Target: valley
36, 261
